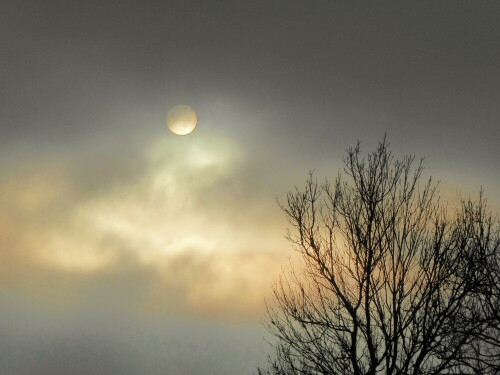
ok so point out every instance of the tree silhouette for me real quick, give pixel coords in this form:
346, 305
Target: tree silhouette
391, 280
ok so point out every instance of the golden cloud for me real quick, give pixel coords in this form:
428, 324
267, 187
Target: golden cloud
202, 239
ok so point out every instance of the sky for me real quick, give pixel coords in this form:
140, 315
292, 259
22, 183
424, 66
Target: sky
125, 249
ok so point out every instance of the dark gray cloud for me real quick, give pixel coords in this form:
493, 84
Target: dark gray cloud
332, 70
57, 339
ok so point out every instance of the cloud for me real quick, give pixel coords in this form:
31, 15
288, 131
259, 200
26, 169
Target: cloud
189, 228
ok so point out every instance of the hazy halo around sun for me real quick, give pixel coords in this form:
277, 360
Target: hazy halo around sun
182, 120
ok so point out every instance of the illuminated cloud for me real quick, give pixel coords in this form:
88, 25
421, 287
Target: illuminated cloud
181, 222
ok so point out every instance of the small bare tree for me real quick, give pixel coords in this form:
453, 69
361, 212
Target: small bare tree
392, 281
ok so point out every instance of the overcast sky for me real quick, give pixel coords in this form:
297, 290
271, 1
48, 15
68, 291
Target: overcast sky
125, 249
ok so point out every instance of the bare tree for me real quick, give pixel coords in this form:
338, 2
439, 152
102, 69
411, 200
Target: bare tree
483, 355
392, 281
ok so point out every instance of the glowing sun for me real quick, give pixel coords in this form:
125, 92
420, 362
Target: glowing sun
182, 120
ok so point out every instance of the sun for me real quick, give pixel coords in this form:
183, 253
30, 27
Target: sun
182, 120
